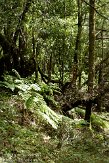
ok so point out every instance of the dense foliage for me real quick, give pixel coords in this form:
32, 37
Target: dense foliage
31, 132
54, 83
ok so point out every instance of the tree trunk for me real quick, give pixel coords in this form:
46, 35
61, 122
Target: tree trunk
49, 68
91, 57
100, 77
77, 44
36, 49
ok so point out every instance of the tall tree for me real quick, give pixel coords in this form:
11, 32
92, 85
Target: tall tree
77, 43
91, 57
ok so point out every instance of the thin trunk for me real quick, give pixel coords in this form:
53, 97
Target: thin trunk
36, 57
79, 81
100, 77
21, 19
77, 44
35, 54
91, 57
49, 68
62, 74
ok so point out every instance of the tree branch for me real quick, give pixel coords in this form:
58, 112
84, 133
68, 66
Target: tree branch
67, 106
21, 19
6, 45
97, 11
47, 78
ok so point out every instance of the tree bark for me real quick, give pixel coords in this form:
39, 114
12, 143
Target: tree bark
77, 44
91, 57
21, 19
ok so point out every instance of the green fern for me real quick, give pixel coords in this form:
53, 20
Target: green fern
33, 98
35, 103
8, 85
38, 106
16, 73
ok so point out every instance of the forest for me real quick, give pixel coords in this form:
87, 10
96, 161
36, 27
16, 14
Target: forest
54, 81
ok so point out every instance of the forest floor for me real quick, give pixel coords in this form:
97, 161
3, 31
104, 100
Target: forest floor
24, 141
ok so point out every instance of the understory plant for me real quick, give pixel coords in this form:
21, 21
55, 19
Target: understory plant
33, 96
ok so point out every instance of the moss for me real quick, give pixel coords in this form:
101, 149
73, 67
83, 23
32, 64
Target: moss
38, 142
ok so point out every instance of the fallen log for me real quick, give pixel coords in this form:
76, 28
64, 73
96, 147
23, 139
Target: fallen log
85, 100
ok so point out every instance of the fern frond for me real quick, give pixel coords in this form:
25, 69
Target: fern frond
10, 86
38, 106
16, 73
48, 119
34, 87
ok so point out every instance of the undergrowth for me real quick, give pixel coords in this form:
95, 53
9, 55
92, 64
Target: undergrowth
31, 132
